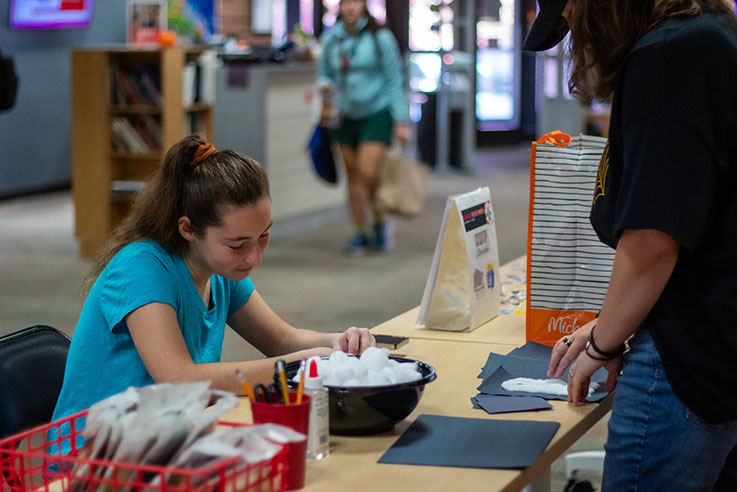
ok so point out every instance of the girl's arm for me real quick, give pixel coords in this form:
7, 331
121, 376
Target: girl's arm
257, 323
158, 339
326, 77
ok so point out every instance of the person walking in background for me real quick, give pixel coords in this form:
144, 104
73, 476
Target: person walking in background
666, 200
362, 68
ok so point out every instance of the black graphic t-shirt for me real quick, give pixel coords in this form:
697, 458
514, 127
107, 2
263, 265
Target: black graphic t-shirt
671, 165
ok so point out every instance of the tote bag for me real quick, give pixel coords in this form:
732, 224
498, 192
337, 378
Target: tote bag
568, 268
402, 187
321, 154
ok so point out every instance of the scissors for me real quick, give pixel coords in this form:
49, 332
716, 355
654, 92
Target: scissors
269, 393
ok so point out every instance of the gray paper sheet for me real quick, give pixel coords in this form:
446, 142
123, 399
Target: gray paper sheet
508, 404
434, 440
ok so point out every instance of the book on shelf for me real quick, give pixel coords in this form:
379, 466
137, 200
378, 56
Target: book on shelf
135, 86
149, 80
199, 80
125, 85
208, 74
194, 123
189, 77
125, 186
152, 127
136, 135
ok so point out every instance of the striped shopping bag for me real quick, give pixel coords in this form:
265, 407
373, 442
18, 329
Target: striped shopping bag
568, 268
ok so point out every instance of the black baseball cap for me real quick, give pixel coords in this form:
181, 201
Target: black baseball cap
549, 27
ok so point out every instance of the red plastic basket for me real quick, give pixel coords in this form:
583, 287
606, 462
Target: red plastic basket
31, 461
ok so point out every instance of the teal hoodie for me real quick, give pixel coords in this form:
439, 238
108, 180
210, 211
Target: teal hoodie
375, 81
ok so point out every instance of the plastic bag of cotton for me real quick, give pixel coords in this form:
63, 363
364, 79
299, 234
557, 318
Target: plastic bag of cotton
372, 368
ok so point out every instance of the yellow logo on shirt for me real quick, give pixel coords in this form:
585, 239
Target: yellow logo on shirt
601, 174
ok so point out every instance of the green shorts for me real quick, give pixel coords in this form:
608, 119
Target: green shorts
374, 128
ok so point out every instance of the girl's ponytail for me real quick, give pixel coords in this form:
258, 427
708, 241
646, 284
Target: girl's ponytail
194, 180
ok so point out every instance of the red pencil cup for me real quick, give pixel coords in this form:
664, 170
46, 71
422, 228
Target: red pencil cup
295, 417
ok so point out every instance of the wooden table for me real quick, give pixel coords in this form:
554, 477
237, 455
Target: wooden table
458, 358
352, 463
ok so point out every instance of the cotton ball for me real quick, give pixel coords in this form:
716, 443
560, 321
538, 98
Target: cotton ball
353, 362
375, 358
390, 374
374, 378
408, 373
352, 382
360, 369
343, 373
367, 353
378, 378
324, 369
337, 358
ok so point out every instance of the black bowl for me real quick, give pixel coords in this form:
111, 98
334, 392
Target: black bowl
361, 410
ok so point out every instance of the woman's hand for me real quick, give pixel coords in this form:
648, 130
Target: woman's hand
354, 340
579, 377
572, 348
402, 133
567, 349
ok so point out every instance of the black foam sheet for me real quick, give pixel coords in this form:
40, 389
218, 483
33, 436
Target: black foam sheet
509, 404
434, 440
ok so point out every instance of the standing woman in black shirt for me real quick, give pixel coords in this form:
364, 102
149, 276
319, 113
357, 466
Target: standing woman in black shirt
666, 200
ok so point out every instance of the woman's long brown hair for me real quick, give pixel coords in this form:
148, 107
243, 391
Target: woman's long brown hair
183, 187
604, 31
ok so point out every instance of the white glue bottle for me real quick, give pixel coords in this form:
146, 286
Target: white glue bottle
317, 439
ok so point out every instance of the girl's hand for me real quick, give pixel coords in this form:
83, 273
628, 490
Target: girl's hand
354, 340
326, 90
402, 133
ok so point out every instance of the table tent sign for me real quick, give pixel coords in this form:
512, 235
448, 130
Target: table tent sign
463, 287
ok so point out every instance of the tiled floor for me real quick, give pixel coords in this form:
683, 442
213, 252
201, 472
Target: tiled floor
304, 276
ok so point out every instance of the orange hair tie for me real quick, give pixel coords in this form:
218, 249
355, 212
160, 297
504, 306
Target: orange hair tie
203, 152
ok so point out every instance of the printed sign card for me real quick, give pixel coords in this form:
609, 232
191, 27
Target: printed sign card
463, 289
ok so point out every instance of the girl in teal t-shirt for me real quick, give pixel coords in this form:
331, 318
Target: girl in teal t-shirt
172, 275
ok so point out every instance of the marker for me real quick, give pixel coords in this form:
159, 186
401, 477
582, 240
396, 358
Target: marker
280, 372
245, 385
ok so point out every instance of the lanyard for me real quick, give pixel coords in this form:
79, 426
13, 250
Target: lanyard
347, 55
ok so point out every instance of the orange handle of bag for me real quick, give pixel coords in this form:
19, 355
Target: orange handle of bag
557, 138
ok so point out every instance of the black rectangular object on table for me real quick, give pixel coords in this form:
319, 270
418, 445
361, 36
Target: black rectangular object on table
390, 342
435, 440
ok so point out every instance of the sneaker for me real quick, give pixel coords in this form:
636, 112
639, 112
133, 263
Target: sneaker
383, 239
358, 244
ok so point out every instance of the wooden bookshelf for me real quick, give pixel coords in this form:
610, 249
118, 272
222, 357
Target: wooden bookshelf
100, 154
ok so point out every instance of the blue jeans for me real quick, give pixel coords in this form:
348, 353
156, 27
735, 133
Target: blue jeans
655, 443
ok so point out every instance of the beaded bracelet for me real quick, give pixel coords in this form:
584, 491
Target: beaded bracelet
606, 355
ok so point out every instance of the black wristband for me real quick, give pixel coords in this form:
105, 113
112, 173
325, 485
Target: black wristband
607, 355
588, 344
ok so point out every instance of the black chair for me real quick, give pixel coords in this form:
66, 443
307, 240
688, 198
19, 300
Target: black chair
32, 365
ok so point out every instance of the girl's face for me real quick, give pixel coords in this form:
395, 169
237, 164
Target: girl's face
352, 10
233, 248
